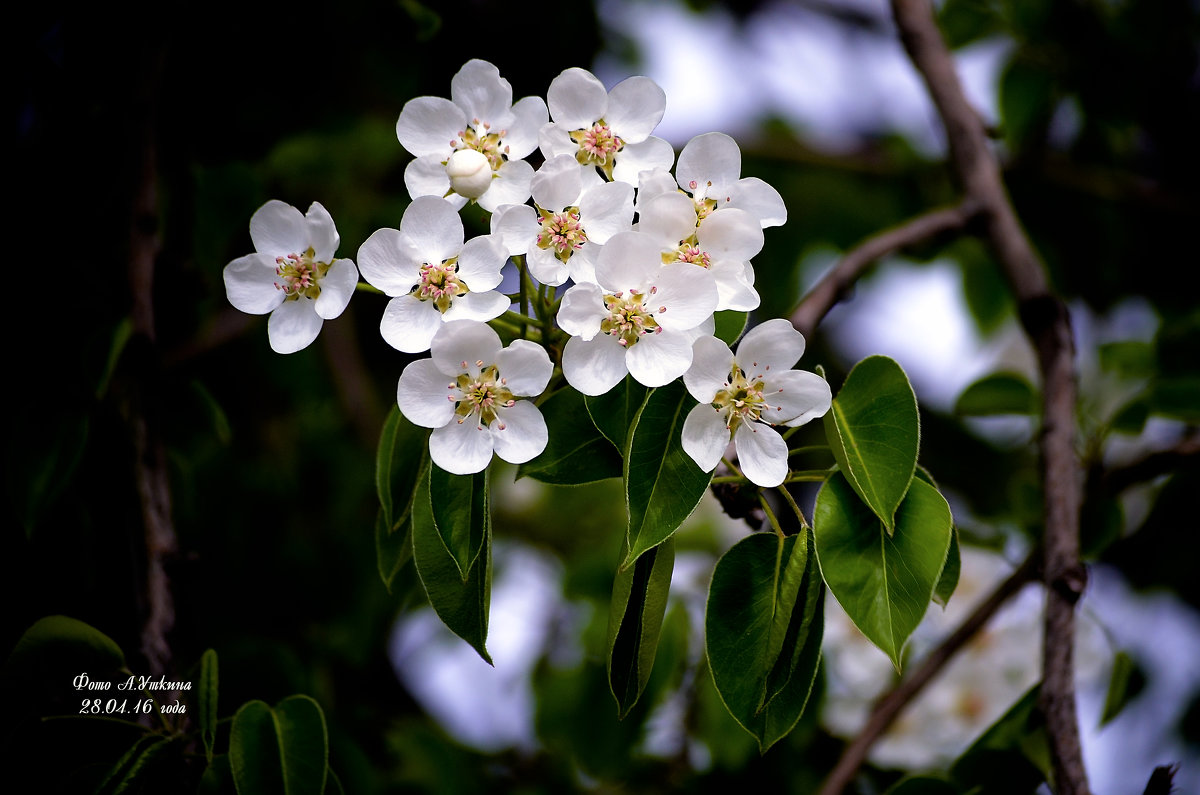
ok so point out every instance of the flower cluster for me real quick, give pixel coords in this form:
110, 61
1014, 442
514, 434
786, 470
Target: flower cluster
644, 259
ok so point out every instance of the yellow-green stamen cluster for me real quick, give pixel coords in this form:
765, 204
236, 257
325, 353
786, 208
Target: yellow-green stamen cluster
741, 400
704, 205
487, 143
689, 251
440, 284
300, 275
597, 145
561, 232
480, 395
628, 318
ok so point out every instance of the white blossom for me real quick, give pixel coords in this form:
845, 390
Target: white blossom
467, 392
471, 146
291, 274
709, 170
639, 317
432, 276
742, 396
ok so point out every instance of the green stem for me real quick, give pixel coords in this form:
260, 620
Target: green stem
732, 468
807, 476
787, 496
368, 288
766, 506
810, 448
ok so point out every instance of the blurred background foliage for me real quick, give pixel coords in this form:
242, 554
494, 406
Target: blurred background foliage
219, 106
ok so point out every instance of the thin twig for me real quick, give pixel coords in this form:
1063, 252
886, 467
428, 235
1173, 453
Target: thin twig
834, 286
1047, 324
888, 708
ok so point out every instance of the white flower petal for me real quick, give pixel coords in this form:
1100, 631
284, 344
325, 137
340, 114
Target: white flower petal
687, 291
669, 218
735, 290
709, 158
582, 310
760, 200
278, 229
653, 182
250, 284
762, 454
517, 227
635, 107
546, 267
481, 92
431, 230
459, 345
769, 348
510, 185
461, 446
386, 263
426, 176
576, 99
519, 432
628, 260
336, 289
705, 437
521, 137
712, 362
633, 159
805, 396
557, 183
429, 125
480, 263
658, 359
480, 307
408, 324
730, 234
594, 366
582, 264
555, 139
525, 367
293, 326
424, 394
606, 209
322, 234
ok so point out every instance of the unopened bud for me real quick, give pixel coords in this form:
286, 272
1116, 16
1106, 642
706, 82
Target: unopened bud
470, 173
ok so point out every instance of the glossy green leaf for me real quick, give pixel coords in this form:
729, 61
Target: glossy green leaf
399, 458
279, 751
393, 547
884, 583
207, 697
460, 514
217, 778
1012, 755
999, 393
873, 431
134, 763
461, 604
576, 452
948, 579
614, 412
729, 325
635, 617
61, 642
663, 485
763, 626
1124, 684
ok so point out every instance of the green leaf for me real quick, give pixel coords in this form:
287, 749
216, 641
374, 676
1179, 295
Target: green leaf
763, 626
999, 393
399, 459
460, 514
614, 412
1129, 358
280, 751
1124, 684
874, 431
207, 697
1178, 398
663, 485
948, 579
729, 325
923, 785
217, 778
57, 641
393, 547
1026, 100
884, 583
123, 776
576, 452
635, 617
1012, 755
461, 604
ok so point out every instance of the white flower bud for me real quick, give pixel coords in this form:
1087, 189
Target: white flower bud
470, 173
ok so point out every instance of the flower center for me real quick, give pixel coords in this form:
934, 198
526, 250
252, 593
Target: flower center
561, 232
440, 284
597, 145
689, 251
300, 275
478, 136
704, 205
480, 395
628, 318
741, 400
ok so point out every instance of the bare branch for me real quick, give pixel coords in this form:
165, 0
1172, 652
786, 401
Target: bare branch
890, 706
835, 284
